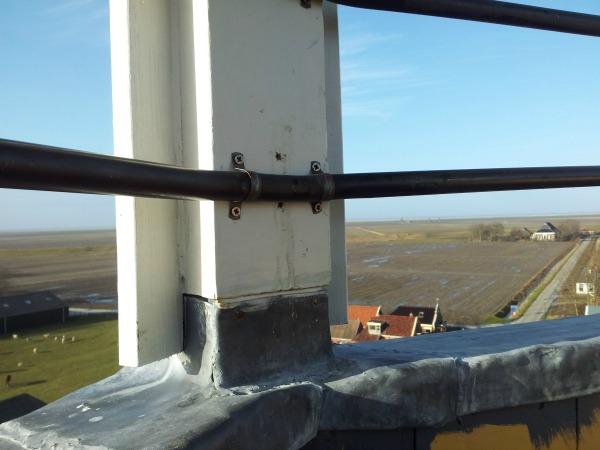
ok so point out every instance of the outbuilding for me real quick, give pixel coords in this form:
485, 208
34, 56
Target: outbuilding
30, 310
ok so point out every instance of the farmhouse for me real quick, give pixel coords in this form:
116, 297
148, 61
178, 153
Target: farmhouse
389, 326
548, 232
22, 311
430, 318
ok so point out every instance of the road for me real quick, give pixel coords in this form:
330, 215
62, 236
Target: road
558, 275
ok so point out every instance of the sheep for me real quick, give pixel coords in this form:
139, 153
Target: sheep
15, 336
35, 350
72, 338
46, 336
19, 364
62, 341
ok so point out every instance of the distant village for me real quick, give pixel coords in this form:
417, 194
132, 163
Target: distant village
367, 323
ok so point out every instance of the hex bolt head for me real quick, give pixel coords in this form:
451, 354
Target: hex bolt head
238, 159
315, 167
235, 212
317, 207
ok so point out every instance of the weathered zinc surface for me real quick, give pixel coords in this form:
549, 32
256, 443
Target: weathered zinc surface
438, 389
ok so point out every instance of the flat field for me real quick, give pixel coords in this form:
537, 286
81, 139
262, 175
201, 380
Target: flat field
400, 263
56, 368
81, 267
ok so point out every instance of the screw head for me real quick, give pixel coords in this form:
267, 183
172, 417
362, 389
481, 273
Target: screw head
315, 167
317, 207
235, 212
238, 159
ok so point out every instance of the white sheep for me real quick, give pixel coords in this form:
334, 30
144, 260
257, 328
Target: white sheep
35, 350
15, 336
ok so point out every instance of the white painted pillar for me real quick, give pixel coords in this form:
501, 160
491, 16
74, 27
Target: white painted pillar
194, 81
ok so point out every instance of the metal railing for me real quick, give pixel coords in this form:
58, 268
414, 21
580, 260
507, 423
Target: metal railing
31, 166
490, 11
37, 167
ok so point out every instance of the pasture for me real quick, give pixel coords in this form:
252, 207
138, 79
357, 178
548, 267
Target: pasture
57, 368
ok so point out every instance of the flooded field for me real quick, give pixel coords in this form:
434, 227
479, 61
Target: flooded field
471, 279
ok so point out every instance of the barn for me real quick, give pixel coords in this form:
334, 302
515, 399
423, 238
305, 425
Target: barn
30, 310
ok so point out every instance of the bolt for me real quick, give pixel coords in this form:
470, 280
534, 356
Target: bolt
238, 159
235, 212
317, 207
315, 167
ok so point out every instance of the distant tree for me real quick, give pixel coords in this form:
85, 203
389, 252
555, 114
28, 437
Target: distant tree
569, 230
487, 232
516, 234
496, 231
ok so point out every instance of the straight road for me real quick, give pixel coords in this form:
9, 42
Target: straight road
538, 309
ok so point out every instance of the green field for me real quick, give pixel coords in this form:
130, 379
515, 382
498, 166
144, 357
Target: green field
57, 369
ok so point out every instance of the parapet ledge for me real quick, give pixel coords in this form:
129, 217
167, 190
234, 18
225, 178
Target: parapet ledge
418, 382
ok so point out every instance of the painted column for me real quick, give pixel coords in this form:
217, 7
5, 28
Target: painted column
193, 82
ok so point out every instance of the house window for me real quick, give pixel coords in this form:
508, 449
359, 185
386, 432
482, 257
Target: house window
374, 328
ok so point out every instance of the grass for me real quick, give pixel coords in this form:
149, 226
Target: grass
57, 368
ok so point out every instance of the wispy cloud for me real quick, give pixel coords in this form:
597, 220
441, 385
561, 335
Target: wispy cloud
82, 20
68, 6
362, 42
374, 87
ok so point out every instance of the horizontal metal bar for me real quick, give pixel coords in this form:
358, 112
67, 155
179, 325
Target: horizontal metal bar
490, 11
36, 167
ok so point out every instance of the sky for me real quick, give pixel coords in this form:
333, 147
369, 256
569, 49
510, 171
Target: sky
418, 93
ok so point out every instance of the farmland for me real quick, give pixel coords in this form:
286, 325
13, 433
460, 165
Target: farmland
392, 263
78, 266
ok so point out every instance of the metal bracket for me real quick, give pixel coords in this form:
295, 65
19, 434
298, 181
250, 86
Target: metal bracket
235, 208
316, 169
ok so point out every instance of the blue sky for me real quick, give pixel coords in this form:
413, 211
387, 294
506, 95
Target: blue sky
418, 93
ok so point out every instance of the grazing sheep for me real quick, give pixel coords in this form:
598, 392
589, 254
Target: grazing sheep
19, 364
46, 336
35, 350
56, 338
62, 341
8, 380
72, 338
15, 336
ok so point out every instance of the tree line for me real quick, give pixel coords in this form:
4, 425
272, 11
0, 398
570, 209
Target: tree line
568, 231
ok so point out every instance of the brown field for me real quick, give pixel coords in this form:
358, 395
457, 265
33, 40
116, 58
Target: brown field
79, 266
393, 263
390, 263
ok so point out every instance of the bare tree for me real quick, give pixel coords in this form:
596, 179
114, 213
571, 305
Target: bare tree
569, 229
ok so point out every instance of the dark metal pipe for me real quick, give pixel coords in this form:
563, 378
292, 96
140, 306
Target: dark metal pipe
490, 11
36, 167
396, 184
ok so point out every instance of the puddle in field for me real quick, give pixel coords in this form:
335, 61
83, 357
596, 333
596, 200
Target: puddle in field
376, 261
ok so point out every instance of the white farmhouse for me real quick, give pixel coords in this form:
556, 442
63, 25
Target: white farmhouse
548, 232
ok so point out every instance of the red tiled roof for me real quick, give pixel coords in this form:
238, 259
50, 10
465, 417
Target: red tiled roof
363, 313
397, 325
392, 326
